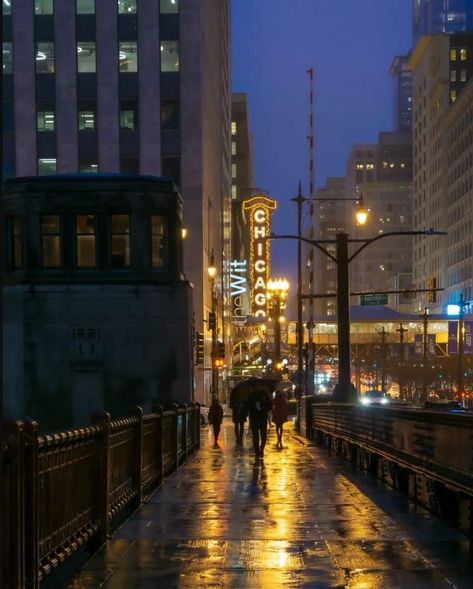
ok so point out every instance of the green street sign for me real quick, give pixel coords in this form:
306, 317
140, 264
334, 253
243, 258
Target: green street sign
374, 299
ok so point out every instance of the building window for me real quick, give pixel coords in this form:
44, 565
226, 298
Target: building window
14, 254
234, 128
88, 167
129, 165
47, 166
463, 54
170, 114
86, 116
86, 57
463, 76
45, 119
51, 241
157, 241
85, 6
120, 241
453, 55
45, 58
234, 170
453, 75
43, 6
171, 168
126, 6
169, 56
169, 6
6, 6
7, 58
85, 241
128, 115
128, 56
234, 148
453, 95
234, 192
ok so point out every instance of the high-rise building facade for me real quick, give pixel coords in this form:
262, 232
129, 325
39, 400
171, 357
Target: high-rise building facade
441, 16
140, 87
402, 93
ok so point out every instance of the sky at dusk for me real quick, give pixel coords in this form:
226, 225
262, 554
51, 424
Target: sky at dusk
350, 44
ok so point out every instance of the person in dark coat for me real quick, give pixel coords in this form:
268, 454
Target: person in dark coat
239, 414
259, 405
279, 415
215, 419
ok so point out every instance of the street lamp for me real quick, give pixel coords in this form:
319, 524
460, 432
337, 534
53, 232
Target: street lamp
277, 295
342, 260
212, 323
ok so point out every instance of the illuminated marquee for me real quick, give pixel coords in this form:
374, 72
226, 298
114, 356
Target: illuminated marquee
259, 209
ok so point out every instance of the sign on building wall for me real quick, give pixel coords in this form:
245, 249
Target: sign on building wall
468, 337
259, 209
452, 338
239, 290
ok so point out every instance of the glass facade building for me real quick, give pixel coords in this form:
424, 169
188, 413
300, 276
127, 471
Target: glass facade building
441, 16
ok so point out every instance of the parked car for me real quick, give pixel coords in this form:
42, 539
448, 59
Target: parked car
374, 398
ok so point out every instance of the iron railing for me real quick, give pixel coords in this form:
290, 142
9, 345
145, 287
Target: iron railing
66, 489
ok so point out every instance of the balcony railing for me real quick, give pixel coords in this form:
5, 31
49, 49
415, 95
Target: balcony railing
67, 489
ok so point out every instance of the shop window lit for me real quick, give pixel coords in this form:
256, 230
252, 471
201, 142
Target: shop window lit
85, 241
85, 6
43, 6
463, 54
15, 242
7, 6
169, 6
126, 6
47, 166
7, 58
120, 241
86, 57
128, 56
51, 241
169, 56
45, 121
45, 58
157, 241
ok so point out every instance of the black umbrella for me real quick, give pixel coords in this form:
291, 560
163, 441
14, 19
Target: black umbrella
243, 389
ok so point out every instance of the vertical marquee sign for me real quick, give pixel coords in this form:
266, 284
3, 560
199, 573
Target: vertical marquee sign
259, 209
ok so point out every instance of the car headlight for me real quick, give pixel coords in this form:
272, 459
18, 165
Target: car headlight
384, 401
365, 401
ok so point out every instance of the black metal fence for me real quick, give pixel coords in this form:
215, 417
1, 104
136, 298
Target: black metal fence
64, 490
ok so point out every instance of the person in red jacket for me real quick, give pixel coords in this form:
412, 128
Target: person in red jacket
279, 415
215, 418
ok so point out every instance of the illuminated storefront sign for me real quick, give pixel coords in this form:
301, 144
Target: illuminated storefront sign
239, 290
259, 209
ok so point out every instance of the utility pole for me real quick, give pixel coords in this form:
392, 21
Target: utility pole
383, 333
460, 379
402, 330
425, 348
343, 316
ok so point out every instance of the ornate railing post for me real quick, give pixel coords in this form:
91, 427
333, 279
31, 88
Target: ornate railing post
31, 521
138, 451
102, 419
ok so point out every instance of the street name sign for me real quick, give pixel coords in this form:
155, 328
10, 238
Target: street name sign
374, 299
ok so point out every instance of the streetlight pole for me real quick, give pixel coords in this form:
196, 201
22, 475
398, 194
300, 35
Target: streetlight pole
212, 272
402, 330
460, 347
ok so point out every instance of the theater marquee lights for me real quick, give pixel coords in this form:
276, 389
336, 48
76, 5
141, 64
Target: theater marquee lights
259, 209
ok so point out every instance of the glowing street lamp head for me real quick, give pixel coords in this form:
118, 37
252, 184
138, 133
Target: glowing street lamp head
361, 212
212, 269
278, 286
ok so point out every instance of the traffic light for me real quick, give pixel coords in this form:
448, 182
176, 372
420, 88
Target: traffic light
432, 285
220, 349
212, 323
199, 347
218, 359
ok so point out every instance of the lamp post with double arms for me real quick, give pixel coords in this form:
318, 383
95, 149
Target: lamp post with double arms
277, 295
212, 323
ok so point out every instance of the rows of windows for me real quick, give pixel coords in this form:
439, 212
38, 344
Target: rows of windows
42, 7
86, 240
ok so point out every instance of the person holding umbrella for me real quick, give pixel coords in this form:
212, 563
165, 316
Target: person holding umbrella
259, 405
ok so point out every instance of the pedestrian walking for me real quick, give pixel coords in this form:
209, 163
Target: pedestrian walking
239, 415
215, 419
279, 415
259, 405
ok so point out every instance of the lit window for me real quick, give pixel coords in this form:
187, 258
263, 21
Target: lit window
126, 6
403, 165
453, 95
169, 56
169, 6
453, 76
463, 54
6, 6
370, 166
234, 148
86, 114
360, 167
128, 118
43, 6
15, 242
7, 58
157, 241
85, 241
234, 128
51, 241
85, 57
47, 166
120, 241
453, 54
128, 56
234, 170
45, 58
45, 120
463, 76
85, 6
170, 114
234, 192
88, 167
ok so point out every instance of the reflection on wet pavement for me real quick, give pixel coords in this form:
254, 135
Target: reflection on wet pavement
302, 519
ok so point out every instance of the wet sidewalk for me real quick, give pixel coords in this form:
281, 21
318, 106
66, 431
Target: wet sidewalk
302, 519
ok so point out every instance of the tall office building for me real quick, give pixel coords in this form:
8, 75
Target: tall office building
402, 93
441, 16
139, 87
442, 66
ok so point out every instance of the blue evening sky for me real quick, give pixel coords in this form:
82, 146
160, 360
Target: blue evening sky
350, 44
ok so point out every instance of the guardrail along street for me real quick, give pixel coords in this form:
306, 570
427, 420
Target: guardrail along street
68, 489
